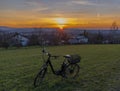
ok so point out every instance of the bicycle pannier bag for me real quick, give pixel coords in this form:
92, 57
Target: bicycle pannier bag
74, 59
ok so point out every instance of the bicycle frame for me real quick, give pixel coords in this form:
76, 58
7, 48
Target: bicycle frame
63, 66
51, 66
48, 62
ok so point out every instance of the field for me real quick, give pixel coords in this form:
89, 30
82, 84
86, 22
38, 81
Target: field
100, 69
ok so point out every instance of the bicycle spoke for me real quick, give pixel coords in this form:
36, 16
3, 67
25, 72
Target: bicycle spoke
72, 71
39, 78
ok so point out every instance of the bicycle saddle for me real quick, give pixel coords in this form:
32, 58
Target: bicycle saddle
67, 56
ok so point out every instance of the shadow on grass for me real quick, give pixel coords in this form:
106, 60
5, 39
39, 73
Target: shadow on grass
60, 85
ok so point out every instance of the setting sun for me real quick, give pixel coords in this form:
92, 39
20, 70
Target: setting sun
61, 22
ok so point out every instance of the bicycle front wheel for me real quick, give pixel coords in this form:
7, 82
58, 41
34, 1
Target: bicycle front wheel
72, 71
40, 76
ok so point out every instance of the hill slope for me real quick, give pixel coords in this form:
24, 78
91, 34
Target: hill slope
100, 68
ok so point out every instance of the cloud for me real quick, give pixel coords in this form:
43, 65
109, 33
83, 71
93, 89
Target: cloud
36, 6
81, 2
32, 3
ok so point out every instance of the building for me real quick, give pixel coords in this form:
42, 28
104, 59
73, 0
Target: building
19, 39
79, 39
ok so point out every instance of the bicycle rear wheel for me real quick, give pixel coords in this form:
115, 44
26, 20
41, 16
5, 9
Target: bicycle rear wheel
40, 76
72, 71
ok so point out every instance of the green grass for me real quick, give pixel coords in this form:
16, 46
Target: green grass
100, 69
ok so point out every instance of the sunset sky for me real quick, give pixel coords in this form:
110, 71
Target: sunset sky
56, 13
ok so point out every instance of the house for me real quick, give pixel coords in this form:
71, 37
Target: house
19, 39
79, 39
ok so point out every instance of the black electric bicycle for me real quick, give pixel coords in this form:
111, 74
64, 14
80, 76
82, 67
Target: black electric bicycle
69, 67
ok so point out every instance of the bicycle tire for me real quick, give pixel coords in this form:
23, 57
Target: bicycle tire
71, 71
40, 76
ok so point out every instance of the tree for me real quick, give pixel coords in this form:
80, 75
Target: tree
85, 33
114, 26
33, 40
65, 37
99, 38
95, 38
5, 44
4, 40
55, 38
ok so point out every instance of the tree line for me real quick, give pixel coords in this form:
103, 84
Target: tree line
40, 37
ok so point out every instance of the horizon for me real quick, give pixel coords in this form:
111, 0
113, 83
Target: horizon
78, 28
59, 14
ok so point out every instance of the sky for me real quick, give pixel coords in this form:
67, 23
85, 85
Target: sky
76, 13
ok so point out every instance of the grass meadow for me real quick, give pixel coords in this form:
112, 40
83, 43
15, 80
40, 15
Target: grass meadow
100, 68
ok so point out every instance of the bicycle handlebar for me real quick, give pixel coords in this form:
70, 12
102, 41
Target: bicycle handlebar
48, 54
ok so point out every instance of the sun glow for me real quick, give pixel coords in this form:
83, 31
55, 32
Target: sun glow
61, 22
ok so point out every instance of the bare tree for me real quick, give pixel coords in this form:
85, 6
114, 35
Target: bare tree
114, 26
4, 39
